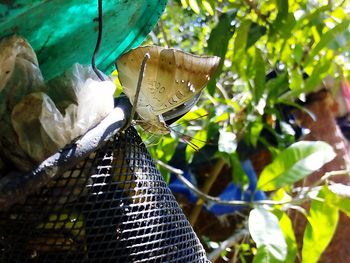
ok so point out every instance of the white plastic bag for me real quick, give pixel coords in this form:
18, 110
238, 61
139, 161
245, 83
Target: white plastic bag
19, 76
74, 103
37, 119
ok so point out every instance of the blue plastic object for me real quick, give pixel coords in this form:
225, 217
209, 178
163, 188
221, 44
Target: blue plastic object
231, 192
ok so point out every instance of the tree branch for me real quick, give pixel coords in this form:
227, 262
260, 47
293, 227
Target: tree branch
179, 174
252, 4
161, 28
206, 188
231, 241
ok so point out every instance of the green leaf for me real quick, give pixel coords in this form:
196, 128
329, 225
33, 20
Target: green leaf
196, 143
288, 26
320, 229
194, 115
263, 256
255, 32
275, 87
165, 173
241, 38
208, 7
285, 21
194, 6
338, 195
221, 118
281, 195
238, 174
218, 43
239, 48
168, 147
298, 52
254, 133
221, 34
318, 74
282, 6
184, 4
259, 78
296, 80
313, 17
327, 38
294, 163
265, 231
288, 232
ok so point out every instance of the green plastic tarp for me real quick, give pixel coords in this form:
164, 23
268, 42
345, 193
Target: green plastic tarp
63, 32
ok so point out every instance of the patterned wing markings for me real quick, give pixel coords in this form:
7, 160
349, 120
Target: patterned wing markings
171, 78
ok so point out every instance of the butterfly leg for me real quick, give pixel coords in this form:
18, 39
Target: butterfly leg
138, 88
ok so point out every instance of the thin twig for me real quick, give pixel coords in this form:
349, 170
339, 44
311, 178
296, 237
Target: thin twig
305, 190
165, 37
327, 175
235, 256
206, 188
179, 174
231, 241
223, 91
252, 4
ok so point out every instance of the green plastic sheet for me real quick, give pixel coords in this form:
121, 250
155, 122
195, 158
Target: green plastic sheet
63, 32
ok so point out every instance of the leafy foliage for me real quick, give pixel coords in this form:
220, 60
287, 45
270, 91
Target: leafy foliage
294, 163
337, 198
288, 232
266, 233
322, 223
273, 53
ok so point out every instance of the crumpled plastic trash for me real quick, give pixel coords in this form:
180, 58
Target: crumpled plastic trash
83, 98
44, 118
74, 103
19, 76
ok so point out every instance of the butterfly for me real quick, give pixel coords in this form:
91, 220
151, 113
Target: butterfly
172, 83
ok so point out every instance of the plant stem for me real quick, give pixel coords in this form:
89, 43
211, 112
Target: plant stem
206, 188
231, 241
217, 200
253, 5
161, 28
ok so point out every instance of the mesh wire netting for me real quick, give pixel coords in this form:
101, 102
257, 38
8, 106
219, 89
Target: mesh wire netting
112, 207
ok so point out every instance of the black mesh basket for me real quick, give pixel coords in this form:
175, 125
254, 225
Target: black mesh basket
112, 207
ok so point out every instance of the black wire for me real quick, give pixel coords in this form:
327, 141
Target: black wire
98, 42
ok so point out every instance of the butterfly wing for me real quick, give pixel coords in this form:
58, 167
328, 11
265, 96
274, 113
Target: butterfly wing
171, 77
180, 77
129, 66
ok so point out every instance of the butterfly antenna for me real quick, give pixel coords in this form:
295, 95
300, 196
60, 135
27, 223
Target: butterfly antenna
187, 141
183, 136
187, 136
184, 121
191, 144
98, 42
138, 88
